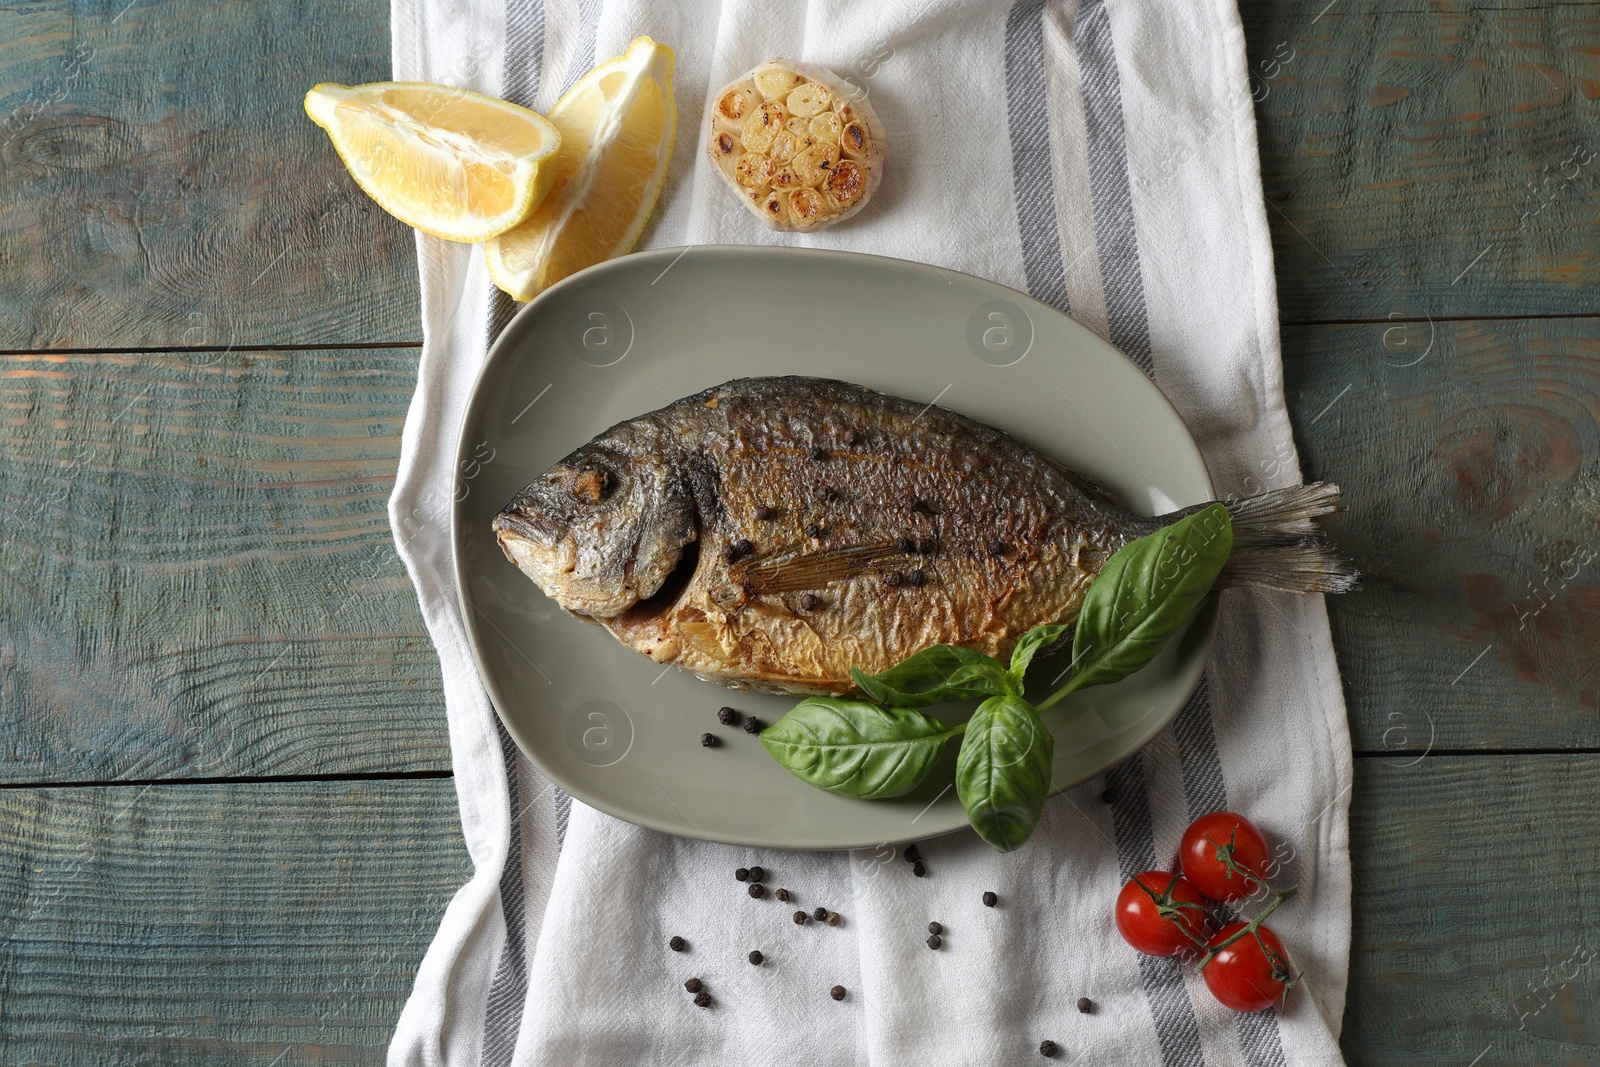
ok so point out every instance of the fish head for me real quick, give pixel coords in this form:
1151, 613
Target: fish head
599, 532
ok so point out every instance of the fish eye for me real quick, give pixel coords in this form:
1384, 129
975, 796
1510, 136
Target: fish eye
593, 484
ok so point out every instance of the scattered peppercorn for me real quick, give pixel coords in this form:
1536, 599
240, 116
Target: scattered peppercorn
752, 725
809, 602
818, 453
758, 890
990, 900
756, 957
819, 914
935, 928
744, 546
727, 717
813, 530
763, 512
702, 999
1048, 1049
781, 894
1085, 1005
905, 544
916, 577
850, 436
708, 740
1109, 797
801, 918
934, 941
729, 553
742, 874
758, 874
893, 579
837, 992
693, 985
912, 854
918, 869
677, 944
834, 918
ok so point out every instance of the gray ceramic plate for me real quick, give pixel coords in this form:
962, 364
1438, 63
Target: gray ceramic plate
620, 732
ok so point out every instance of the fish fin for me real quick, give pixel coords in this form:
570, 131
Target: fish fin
1086, 485
1278, 544
789, 573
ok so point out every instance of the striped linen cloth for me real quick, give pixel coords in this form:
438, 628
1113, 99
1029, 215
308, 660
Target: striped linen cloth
1101, 156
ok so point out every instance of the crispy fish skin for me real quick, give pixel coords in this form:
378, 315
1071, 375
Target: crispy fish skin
875, 527
769, 533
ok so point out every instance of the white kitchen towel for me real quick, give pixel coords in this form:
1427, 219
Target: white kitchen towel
1101, 155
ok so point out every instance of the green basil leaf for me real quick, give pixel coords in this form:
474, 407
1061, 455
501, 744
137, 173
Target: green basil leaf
933, 676
1003, 770
1145, 594
1032, 641
856, 748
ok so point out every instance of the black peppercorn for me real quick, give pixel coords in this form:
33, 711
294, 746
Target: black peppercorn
837, 992
801, 918
702, 999
693, 985
916, 577
912, 854
934, 941
990, 900
935, 928
892, 579
819, 914
756, 957
727, 717
708, 740
809, 602
1047, 1049
819, 453
742, 874
743, 547
758, 890
1109, 796
850, 436
905, 544
813, 530
1085, 1005
752, 725
763, 512
758, 874
677, 944
918, 869
781, 894
833, 919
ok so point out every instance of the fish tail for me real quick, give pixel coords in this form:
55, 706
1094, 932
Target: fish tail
1278, 544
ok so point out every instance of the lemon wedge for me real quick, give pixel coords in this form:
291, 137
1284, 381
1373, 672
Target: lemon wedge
450, 162
617, 127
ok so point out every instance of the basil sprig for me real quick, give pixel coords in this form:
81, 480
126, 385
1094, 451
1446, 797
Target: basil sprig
1146, 593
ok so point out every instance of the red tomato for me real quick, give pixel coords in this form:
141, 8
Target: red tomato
1243, 977
1205, 842
1140, 920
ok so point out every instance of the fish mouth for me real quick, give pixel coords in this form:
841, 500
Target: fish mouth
660, 603
510, 521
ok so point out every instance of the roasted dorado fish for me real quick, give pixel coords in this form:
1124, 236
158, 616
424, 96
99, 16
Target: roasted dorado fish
771, 532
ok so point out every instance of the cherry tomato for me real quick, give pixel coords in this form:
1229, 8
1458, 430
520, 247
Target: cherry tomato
1243, 977
1140, 920
1204, 843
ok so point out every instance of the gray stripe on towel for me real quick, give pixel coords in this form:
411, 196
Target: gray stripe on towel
1031, 179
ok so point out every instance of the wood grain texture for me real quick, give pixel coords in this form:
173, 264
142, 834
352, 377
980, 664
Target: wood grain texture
197, 575
1470, 458
1477, 924
164, 187
1402, 142
218, 924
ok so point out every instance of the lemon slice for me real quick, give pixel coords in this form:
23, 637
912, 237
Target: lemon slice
617, 127
448, 161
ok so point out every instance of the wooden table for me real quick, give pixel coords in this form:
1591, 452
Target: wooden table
227, 830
